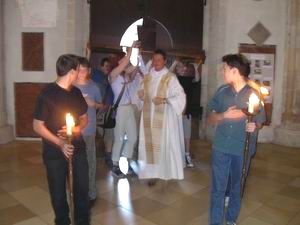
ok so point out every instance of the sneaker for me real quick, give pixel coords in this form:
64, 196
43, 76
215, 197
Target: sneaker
230, 223
227, 201
116, 172
188, 160
131, 171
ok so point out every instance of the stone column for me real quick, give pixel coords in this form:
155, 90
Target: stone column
6, 131
77, 30
214, 44
288, 132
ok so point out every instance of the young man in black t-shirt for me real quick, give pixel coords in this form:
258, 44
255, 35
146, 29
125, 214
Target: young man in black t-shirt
54, 102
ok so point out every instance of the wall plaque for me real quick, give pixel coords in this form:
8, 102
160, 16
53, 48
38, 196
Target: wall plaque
33, 51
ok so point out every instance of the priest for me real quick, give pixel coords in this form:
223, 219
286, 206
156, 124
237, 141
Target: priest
161, 143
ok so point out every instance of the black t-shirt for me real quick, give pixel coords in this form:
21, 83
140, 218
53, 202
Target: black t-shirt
52, 105
188, 87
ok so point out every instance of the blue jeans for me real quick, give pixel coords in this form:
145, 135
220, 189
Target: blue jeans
224, 167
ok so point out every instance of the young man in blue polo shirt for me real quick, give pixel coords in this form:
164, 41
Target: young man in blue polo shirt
225, 111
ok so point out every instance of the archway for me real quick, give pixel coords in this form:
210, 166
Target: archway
150, 32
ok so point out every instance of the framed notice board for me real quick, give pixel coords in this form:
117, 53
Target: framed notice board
262, 70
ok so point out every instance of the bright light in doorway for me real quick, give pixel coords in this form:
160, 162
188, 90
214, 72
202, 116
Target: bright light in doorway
131, 35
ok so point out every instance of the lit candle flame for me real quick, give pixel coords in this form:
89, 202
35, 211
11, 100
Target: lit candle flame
253, 102
70, 124
264, 91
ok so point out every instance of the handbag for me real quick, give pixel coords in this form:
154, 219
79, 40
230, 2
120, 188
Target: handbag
108, 119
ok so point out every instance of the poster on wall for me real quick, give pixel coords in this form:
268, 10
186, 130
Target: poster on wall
38, 13
262, 60
262, 72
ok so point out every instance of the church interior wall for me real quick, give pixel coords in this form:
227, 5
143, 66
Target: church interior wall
226, 24
68, 36
238, 17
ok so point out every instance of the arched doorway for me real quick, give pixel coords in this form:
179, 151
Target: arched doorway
152, 35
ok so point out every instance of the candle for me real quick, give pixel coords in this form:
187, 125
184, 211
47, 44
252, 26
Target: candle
253, 102
70, 124
264, 91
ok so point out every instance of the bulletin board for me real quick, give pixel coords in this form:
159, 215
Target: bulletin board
262, 60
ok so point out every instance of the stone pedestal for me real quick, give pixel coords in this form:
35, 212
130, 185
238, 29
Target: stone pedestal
288, 135
6, 134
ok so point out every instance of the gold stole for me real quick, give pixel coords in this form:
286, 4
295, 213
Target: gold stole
153, 133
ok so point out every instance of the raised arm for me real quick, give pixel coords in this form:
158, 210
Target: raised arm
173, 66
142, 65
198, 71
88, 51
122, 63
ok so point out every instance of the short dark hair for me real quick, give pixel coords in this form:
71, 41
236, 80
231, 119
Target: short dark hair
84, 62
160, 52
65, 63
103, 61
238, 61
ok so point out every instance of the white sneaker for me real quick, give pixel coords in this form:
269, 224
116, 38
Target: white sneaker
188, 160
226, 205
230, 223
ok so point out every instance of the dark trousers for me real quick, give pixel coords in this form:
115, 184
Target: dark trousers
57, 171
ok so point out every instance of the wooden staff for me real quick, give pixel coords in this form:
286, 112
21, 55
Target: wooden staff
70, 180
252, 110
70, 125
246, 157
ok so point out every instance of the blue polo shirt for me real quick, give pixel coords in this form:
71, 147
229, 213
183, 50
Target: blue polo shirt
230, 134
90, 90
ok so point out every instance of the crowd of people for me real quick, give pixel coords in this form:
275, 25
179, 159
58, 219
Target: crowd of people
149, 106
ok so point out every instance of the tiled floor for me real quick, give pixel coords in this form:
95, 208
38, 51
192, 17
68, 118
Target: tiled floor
272, 194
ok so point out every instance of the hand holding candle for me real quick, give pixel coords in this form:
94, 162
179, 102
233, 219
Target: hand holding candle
68, 148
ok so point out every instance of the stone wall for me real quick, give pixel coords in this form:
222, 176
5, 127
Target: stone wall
229, 22
68, 36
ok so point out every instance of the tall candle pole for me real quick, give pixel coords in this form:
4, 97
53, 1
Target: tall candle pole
70, 124
252, 110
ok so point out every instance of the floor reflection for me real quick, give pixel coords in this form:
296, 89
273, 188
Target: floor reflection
124, 193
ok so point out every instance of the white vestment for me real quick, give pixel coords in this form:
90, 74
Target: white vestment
169, 161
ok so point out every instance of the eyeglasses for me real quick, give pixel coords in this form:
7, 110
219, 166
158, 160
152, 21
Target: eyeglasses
226, 67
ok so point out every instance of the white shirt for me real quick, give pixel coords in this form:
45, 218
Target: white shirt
117, 86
